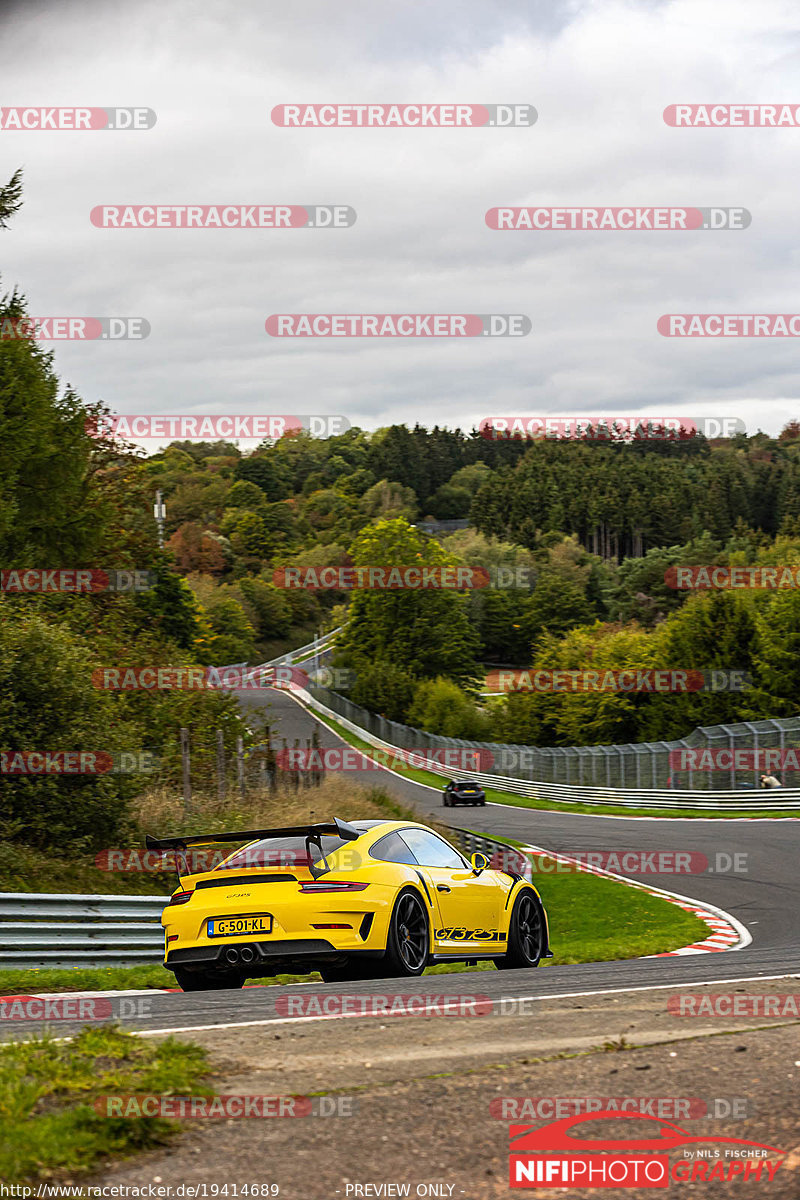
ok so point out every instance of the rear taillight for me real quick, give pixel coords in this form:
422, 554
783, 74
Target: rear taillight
180, 897
332, 886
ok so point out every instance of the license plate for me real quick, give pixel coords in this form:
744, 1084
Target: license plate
230, 926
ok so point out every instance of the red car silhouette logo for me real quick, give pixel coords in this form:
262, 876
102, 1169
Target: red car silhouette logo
557, 1136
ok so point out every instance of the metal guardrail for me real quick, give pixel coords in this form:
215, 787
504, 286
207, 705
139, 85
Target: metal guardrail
80, 931
319, 644
471, 842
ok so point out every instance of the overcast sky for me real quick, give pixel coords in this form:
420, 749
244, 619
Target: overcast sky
598, 73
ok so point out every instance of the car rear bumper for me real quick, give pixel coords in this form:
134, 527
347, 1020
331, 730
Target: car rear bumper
264, 957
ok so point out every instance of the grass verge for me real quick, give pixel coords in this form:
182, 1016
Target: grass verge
47, 1089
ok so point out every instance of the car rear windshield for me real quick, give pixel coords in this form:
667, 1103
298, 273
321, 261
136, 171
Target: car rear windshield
279, 852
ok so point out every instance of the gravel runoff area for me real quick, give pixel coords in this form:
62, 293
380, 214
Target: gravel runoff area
425, 1094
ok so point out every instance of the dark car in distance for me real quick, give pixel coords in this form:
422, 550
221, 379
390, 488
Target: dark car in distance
462, 791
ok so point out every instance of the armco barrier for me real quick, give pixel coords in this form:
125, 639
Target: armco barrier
471, 842
319, 646
80, 931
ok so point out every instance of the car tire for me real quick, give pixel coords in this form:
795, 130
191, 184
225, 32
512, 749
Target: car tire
526, 934
207, 981
408, 941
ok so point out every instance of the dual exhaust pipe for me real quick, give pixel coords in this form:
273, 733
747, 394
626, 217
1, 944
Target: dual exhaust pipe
233, 955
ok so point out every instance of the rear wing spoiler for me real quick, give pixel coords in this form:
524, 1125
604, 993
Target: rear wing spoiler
334, 828
312, 833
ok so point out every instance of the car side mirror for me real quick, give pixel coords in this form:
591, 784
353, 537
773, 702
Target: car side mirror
479, 862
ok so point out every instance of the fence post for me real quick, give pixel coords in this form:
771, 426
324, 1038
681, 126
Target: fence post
220, 765
186, 770
240, 764
272, 766
318, 771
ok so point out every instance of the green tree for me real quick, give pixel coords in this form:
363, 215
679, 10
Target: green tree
48, 704
245, 494
10, 199
450, 503
557, 605
230, 636
273, 614
427, 631
385, 688
266, 473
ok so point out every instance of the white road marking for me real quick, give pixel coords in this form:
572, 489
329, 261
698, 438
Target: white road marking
651, 987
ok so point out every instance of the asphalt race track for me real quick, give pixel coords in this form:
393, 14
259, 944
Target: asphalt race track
764, 898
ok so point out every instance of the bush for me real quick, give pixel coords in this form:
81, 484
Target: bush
440, 706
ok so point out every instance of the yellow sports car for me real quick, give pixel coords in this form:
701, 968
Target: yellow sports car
353, 901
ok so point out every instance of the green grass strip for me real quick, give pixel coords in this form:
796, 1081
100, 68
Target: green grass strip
47, 1090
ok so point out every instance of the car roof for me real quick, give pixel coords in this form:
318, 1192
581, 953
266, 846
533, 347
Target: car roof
377, 829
